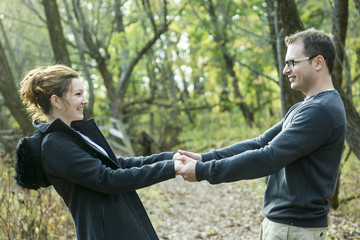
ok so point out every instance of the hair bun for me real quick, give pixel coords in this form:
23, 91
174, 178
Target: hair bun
41, 83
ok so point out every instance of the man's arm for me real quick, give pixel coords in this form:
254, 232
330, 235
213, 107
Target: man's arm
240, 147
308, 130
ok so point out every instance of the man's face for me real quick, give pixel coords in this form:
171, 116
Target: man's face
300, 72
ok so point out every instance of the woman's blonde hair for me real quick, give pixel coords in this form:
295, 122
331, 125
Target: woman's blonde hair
40, 84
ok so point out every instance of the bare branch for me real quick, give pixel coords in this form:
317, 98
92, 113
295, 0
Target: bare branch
239, 27
258, 72
16, 19
149, 13
7, 44
30, 6
125, 75
80, 47
94, 51
9, 91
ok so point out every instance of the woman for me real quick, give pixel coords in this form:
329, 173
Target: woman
98, 188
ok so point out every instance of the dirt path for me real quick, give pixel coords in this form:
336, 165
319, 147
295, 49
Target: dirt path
187, 211
182, 210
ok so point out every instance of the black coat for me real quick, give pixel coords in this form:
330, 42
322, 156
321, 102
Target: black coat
100, 190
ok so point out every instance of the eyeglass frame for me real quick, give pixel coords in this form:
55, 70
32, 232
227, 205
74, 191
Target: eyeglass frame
293, 61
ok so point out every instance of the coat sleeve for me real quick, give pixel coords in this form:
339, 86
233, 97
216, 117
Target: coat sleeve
69, 162
141, 161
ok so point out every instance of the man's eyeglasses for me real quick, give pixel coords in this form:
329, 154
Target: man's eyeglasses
291, 63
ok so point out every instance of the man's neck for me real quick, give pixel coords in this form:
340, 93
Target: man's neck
323, 85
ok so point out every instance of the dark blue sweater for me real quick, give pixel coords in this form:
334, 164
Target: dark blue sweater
301, 154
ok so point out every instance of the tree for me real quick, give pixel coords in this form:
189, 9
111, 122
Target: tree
339, 27
221, 38
357, 4
290, 15
81, 51
11, 96
55, 29
99, 51
339, 31
289, 22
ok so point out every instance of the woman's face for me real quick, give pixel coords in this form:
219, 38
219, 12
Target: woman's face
73, 102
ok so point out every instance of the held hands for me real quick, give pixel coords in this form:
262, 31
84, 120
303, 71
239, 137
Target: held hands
195, 156
185, 164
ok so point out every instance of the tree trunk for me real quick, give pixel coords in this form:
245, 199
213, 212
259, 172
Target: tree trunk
339, 27
11, 59
9, 91
339, 31
239, 99
286, 13
80, 47
221, 40
353, 123
57, 38
334, 201
94, 52
357, 4
126, 74
116, 94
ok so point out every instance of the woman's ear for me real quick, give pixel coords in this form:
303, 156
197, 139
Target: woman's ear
55, 102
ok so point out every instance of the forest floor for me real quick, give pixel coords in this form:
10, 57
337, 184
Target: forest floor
184, 211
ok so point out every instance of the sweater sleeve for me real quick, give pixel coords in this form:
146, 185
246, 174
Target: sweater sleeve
71, 163
307, 131
240, 147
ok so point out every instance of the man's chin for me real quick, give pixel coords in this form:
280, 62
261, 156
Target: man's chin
293, 86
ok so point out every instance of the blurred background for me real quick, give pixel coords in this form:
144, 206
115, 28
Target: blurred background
168, 74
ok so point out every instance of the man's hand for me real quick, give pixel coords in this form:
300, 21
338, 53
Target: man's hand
178, 164
187, 170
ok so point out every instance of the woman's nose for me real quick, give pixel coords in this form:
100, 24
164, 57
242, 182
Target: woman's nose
85, 101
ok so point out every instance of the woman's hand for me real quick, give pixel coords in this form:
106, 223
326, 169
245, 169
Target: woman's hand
194, 156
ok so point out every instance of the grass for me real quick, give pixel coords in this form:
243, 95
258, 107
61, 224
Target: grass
220, 130
350, 188
29, 214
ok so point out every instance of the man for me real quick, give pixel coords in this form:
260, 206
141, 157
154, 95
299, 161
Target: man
301, 154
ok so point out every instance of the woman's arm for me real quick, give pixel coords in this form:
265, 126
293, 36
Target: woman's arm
63, 158
141, 161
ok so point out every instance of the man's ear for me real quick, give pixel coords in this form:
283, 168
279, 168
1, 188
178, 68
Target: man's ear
320, 62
